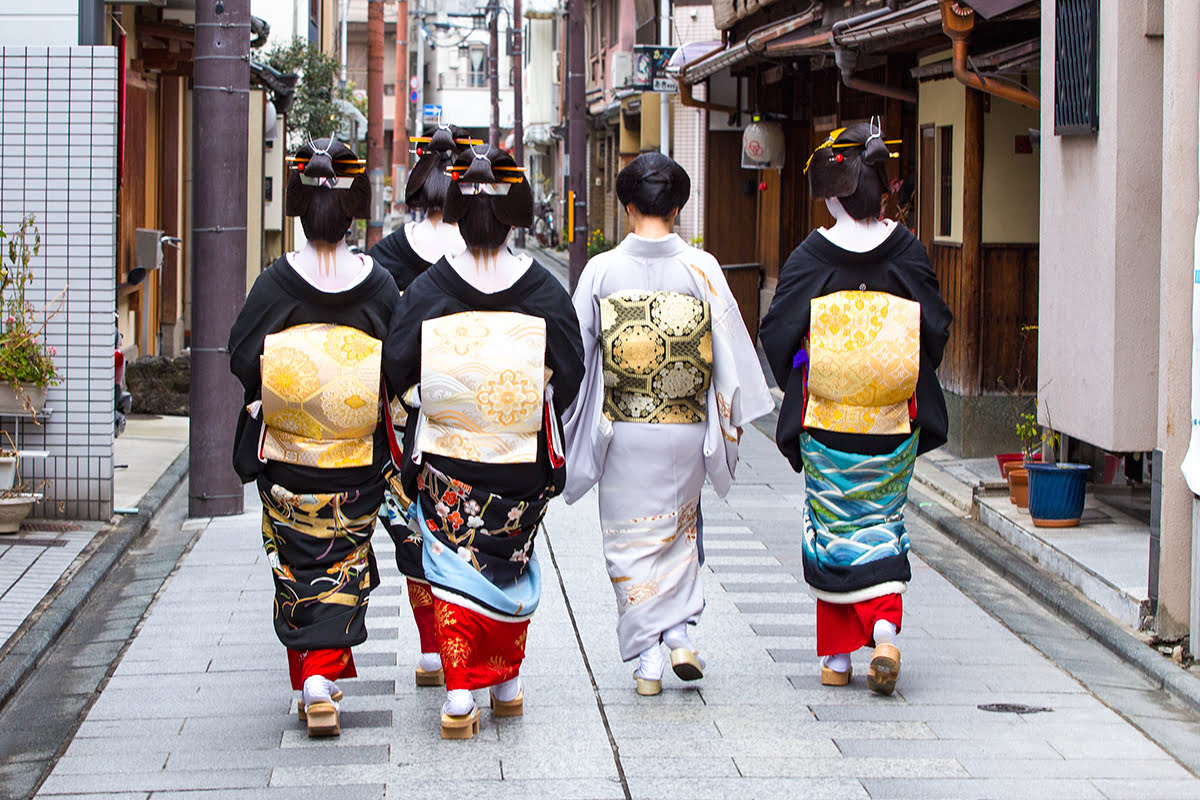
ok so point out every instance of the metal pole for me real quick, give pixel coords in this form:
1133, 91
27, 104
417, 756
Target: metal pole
664, 99
400, 114
494, 71
219, 174
419, 111
345, 14
518, 98
576, 166
375, 118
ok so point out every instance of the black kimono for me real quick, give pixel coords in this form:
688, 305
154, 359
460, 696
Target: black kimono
317, 522
818, 267
396, 254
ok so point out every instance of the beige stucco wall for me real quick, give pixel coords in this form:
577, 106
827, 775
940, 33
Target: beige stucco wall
1099, 222
1010, 179
944, 102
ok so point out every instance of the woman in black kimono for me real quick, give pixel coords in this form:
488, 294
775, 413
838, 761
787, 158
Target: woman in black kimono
406, 253
492, 339
306, 348
854, 335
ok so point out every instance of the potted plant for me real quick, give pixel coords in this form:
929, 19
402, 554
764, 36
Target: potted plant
15, 505
1033, 437
26, 361
1056, 494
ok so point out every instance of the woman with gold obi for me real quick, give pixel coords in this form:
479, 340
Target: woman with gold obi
407, 253
307, 348
854, 335
491, 342
672, 377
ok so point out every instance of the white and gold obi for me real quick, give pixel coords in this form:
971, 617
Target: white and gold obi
483, 386
658, 356
864, 351
320, 396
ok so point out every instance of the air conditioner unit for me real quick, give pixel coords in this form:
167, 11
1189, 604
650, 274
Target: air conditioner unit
555, 66
621, 70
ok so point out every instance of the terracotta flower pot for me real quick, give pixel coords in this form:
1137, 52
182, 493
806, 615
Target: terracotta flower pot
1018, 486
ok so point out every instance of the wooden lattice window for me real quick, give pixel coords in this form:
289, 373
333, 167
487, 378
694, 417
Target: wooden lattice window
945, 180
1076, 67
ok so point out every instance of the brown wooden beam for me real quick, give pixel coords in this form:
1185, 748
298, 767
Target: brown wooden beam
972, 241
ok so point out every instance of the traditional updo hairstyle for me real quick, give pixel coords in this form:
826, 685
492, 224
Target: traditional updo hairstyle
485, 200
654, 184
855, 174
327, 189
428, 181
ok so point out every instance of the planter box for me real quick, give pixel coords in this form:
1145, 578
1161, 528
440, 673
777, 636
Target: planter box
11, 404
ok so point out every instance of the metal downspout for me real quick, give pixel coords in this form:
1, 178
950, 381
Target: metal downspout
685, 88
957, 23
847, 59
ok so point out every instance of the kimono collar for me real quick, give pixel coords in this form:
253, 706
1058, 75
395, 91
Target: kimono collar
641, 247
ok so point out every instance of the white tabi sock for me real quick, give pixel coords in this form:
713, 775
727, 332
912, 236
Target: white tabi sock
677, 636
884, 632
837, 663
507, 692
458, 702
651, 664
318, 689
431, 662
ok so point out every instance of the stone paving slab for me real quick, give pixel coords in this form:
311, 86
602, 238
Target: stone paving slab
196, 711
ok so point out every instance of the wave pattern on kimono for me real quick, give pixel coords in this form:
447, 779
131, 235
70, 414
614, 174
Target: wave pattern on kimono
855, 542
319, 550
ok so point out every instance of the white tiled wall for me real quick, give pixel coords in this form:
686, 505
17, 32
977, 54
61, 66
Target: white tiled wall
58, 150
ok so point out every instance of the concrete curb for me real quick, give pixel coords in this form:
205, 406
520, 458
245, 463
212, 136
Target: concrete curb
1054, 593
72, 590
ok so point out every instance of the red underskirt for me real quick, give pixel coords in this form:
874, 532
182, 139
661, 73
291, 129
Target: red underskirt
477, 651
843, 628
421, 600
333, 664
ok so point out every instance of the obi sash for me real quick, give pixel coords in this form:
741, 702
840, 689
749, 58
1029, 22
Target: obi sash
658, 356
864, 352
483, 384
320, 396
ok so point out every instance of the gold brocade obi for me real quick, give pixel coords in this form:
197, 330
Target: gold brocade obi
658, 356
320, 396
483, 384
864, 351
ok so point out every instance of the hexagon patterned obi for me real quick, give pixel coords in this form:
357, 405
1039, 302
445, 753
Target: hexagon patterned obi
320, 395
658, 356
483, 384
864, 351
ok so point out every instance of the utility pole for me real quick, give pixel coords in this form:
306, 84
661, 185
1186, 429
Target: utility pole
419, 111
664, 99
494, 71
576, 166
400, 114
221, 132
518, 97
375, 118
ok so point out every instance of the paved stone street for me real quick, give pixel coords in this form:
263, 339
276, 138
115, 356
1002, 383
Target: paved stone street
199, 705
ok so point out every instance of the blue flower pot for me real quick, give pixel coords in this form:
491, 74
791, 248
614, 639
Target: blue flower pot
1056, 494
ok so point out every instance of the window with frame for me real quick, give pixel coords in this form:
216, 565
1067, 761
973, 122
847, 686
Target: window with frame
614, 20
594, 33
945, 180
1076, 67
477, 67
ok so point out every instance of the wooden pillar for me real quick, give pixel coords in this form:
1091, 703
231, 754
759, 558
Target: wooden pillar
768, 221
972, 242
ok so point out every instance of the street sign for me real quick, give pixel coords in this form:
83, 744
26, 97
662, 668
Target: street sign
412, 98
650, 69
432, 112
413, 84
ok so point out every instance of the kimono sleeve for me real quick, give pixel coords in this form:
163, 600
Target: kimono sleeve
402, 346
586, 431
258, 317
786, 322
564, 348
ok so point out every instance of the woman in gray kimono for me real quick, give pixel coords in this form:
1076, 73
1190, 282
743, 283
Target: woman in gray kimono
672, 376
